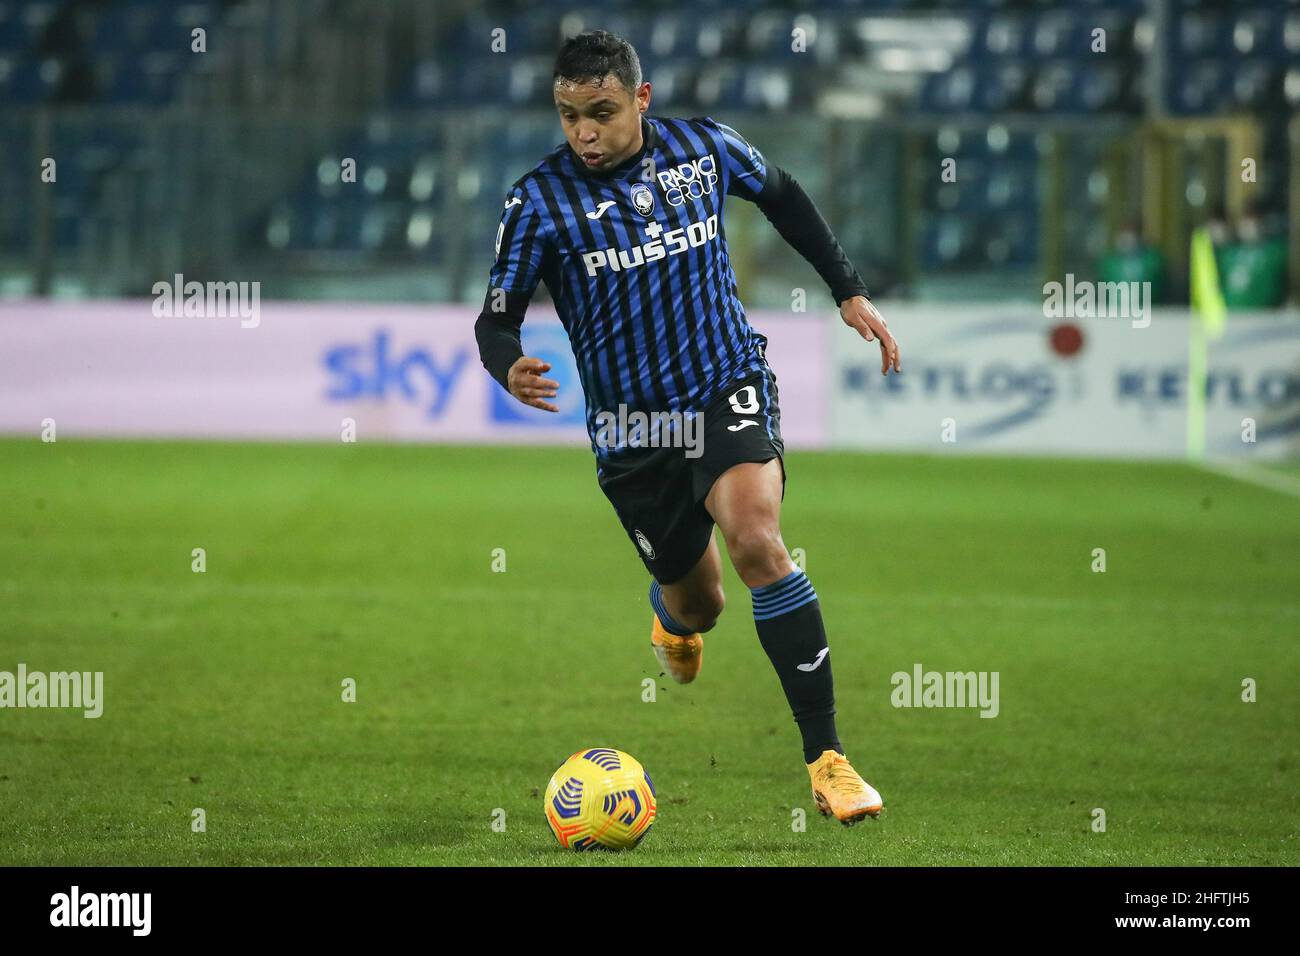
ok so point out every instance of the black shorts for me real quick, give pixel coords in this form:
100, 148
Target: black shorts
659, 493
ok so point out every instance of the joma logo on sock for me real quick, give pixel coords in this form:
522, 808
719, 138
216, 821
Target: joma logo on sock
923, 688
102, 909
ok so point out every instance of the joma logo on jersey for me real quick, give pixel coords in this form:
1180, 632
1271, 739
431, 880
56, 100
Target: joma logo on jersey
673, 242
690, 180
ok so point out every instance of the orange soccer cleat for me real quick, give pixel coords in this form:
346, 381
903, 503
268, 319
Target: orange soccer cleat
681, 657
839, 790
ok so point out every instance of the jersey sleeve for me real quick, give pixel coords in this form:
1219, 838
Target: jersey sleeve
520, 246
744, 167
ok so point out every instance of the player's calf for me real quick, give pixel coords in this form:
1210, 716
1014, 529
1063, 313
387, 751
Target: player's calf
694, 601
695, 609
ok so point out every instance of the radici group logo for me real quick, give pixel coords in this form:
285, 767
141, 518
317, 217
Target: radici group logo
693, 179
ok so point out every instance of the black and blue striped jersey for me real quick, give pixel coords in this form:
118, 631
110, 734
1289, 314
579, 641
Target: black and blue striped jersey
636, 262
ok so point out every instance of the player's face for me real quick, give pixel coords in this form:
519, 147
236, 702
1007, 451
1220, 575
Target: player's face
601, 120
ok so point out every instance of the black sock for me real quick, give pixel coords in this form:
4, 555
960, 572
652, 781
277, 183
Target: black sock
788, 617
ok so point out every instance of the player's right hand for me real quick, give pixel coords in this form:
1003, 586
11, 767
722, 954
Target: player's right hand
860, 314
527, 385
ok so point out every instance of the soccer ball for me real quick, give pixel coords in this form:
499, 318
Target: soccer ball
600, 799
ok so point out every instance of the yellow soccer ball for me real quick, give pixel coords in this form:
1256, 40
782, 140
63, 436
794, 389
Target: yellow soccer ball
600, 799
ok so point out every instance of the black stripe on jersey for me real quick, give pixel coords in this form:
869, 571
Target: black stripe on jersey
740, 157
530, 237
707, 315
720, 275
660, 334
575, 294
530, 226
697, 313
627, 384
657, 293
657, 358
659, 304
633, 287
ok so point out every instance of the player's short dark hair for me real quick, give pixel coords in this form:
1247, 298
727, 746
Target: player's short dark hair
593, 55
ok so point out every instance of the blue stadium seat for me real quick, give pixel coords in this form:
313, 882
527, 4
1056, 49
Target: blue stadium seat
529, 81
1256, 32
486, 82
947, 242
9, 63
1003, 88
1256, 84
1101, 89
144, 79
35, 81
719, 86
767, 87
28, 21
721, 35
950, 92
13, 31
673, 82
768, 37
1059, 34
1005, 34
668, 38
429, 84
1010, 241
1203, 34
1199, 87
1056, 86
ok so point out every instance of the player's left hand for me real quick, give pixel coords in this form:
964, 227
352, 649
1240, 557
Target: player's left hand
860, 314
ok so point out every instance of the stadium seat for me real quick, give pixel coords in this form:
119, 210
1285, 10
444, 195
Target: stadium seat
35, 81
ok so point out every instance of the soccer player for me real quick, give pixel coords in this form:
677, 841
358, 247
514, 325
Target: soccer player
623, 223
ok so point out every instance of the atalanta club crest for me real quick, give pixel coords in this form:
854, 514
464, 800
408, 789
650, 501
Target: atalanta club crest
644, 544
643, 199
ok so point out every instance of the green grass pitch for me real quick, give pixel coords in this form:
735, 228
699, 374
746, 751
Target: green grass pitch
1118, 690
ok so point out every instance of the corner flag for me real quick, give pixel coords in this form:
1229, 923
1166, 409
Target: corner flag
1209, 316
1207, 296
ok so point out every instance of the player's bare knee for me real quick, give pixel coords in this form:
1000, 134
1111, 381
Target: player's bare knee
759, 555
